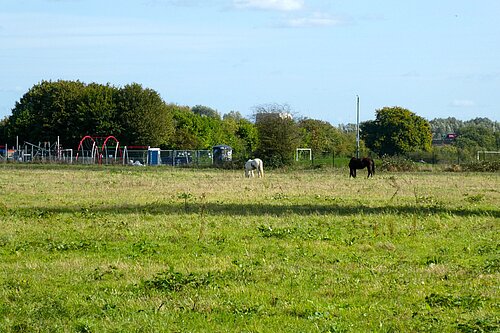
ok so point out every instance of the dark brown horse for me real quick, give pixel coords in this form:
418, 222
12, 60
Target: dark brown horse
361, 163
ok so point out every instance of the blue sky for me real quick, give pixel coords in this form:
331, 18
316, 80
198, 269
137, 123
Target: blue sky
436, 58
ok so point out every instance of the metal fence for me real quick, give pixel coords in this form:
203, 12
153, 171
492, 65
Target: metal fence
436, 157
46, 153
168, 157
52, 153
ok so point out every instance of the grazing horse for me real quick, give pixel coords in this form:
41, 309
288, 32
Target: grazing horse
361, 163
255, 164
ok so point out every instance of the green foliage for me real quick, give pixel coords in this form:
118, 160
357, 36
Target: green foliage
138, 116
146, 120
48, 108
248, 135
473, 135
96, 112
397, 164
396, 131
186, 129
476, 137
205, 111
442, 126
3, 129
279, 135
72, 109
319, 135
234, 115
481, 166
195, 131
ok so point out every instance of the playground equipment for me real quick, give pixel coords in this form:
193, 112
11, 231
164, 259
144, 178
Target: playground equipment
90, 150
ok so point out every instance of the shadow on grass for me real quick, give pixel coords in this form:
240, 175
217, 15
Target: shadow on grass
259, 209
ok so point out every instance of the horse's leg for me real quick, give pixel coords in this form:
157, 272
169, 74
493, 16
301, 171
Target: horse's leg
371, 169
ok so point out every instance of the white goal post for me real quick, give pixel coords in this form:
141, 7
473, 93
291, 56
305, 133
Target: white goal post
485, 152
300, 150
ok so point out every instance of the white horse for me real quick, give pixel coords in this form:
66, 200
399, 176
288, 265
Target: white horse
255, 164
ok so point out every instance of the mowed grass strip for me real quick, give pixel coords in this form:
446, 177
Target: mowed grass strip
121, 249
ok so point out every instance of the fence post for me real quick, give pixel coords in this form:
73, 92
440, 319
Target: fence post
333, 159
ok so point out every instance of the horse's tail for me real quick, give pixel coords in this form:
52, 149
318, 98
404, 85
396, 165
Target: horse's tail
261, 168
373, 166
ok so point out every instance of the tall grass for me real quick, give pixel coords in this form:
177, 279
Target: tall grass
122, 249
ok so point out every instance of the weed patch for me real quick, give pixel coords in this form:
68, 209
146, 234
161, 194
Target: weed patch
60, 246
172, 281
447, 301
479, 325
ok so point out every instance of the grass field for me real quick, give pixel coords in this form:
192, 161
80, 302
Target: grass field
131, 249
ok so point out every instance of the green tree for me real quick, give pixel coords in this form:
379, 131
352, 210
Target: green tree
442, 126
48, 110
247, 132
241, 135
72, 109
145, 118
205, 111
279, 134
474, 137
396, 131
194, 131
3, 130
347, 143
235, 115
319, 135
484, 122
96, 111
184, 134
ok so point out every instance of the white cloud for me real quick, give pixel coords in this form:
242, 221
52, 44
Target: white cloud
316, 20
463, 103
281, 5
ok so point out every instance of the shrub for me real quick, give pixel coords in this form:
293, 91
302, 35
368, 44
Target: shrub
482, 166
397, 163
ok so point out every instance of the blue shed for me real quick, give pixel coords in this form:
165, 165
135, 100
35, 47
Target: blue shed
154, 157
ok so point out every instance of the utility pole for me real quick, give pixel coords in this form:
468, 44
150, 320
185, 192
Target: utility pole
357, 126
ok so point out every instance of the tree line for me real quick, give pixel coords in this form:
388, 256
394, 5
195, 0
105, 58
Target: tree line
139, 116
